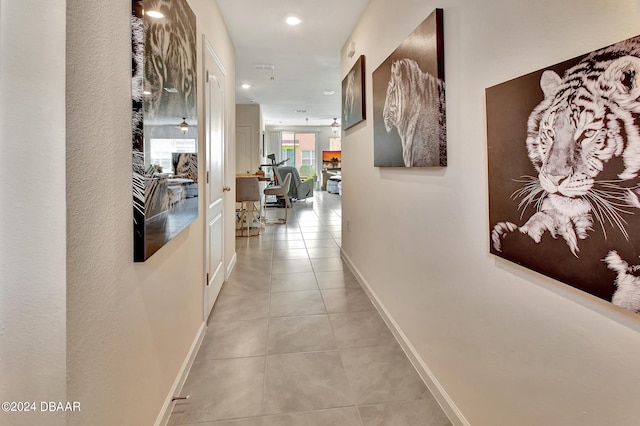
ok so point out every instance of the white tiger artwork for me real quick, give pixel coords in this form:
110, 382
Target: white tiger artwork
349, 96
415, 106
583, 140
170, 63
627, 294
588, 118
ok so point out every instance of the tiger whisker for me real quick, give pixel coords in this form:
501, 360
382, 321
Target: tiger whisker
604, 209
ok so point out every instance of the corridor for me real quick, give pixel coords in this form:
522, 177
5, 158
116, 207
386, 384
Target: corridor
294, 340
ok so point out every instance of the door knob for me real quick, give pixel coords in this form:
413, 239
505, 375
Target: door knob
226, 188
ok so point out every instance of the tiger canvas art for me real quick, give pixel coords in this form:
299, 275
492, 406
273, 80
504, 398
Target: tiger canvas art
409, 101
564, 166
354, 108
163, 93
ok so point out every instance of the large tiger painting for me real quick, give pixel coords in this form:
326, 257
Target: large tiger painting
409, 101
564, 187
415, 107
163, 84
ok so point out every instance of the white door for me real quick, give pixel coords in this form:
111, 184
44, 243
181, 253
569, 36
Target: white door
215, 137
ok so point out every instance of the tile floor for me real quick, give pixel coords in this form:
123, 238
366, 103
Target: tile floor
293, 339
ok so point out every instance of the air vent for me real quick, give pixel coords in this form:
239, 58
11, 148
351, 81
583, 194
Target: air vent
265, 67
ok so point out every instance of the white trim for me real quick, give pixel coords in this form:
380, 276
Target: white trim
442, 397
232, 265
181, 378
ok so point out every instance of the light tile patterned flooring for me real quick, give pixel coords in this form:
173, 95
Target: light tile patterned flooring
294, 340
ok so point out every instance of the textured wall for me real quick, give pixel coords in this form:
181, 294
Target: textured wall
508, 346
32, 207
130, 325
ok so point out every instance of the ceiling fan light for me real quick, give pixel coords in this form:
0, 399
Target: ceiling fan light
184, 126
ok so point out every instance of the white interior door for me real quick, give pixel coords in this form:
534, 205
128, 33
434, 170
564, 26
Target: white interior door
215, 146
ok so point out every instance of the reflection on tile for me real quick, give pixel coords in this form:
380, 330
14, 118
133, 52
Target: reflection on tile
334, 417
221, 389
360, 329
305, 382
300, 334
320, 243
234, 339
382, 374
290, 254
324, 252
316, 235
336, 279
291, 266
331, 264
410, 413
292, 282
292, 303
246, 282
346, 300
241, 307
295, 244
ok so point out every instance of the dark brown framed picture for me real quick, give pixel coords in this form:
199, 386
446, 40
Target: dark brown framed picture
564, 159
354, 109
409, 116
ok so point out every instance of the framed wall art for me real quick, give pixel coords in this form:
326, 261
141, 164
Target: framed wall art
164, 122
564, 160
409, 101
354, 109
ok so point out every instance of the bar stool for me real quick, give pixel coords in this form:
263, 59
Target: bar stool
248, 194
281, 191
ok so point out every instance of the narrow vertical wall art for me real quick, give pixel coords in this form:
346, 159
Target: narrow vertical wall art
354, 106
564, 166
409, 101
164, 120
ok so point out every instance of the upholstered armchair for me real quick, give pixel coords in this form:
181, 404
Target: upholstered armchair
298, 189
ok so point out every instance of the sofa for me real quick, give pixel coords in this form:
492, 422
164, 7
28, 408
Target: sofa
299, 189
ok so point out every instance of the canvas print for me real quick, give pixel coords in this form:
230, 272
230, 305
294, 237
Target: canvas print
409, 101
564, 160
353, 100
331, 159
163, 83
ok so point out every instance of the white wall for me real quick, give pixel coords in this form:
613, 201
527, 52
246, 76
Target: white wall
32, 207
129, 325
507, 345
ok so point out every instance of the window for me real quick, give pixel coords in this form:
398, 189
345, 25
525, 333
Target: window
160, 151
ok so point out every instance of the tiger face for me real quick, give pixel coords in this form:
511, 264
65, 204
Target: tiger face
581, 125
170, 62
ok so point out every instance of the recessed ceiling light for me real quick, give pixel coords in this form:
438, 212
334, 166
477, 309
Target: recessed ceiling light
302, 111
154, 14
329, 92
246, 86
293, 20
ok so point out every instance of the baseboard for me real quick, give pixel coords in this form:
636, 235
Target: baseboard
232, 264
165, 413
444, 400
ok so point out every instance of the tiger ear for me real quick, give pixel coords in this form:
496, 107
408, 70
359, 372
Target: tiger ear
622, 79
550, 83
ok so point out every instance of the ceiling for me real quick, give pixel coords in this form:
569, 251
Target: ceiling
290, 68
